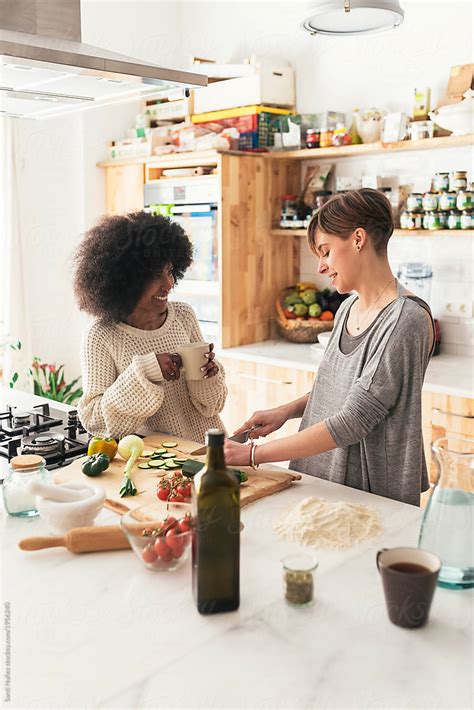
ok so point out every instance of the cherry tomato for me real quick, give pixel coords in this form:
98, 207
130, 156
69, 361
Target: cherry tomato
182, 489
163, 490
175, 497
184, 525
160, 548
169, 523
149, 554
178, 548
167, 555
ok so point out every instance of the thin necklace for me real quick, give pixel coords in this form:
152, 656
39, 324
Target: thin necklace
373, 304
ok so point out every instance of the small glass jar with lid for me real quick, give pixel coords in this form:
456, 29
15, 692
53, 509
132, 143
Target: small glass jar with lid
441, 182
467, 219
17, 499
465, 200
437, 220
325, 139
414, 202
289, 211
411, 220
458, 180
454, 219
447, 201
430, 201
320, 197
426, 220
312, 138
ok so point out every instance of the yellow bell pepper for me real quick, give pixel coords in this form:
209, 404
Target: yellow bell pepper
102, 446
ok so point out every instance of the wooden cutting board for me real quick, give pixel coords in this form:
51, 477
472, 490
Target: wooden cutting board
262, 482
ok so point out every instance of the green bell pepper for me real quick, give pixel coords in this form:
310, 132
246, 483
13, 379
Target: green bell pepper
94, 465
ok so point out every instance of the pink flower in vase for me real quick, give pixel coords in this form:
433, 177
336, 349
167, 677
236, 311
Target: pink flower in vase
52, 368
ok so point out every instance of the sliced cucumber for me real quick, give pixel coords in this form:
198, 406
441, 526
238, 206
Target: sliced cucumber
146, 453
180, 461
143, 465
158, 452
169, 444
167, 456
156, 464
170, 465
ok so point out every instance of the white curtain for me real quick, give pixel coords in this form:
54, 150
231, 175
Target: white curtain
14, 315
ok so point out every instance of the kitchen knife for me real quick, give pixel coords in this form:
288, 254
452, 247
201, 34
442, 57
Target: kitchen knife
241, 438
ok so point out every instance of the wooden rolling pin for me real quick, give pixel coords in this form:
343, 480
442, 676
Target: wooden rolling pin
91, 539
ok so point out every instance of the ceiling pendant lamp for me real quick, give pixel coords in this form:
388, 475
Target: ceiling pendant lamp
347, 18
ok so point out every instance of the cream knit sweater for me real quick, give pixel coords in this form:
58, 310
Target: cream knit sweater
124, 389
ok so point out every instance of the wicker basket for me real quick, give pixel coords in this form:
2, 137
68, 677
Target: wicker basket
299, 331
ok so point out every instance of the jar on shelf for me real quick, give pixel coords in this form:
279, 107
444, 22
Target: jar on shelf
17, 499
414, 202
437, 220
441, 182
467, 221
454, 219
458, 180
320, 197
430, 201
411, 220
289, 211
447, 201
312, 138
325, 139
465, 200
341, 136
426, 220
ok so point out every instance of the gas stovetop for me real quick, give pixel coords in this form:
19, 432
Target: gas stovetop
57, 436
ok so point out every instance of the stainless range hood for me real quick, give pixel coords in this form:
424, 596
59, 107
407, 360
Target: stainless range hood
46, 70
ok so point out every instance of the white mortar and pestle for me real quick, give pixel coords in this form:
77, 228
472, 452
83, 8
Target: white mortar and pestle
67, 505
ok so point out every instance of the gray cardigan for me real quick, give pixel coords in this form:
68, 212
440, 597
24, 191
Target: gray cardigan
370, 400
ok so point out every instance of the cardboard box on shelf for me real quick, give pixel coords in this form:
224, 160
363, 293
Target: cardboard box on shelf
461, 79
170, 110
274, 86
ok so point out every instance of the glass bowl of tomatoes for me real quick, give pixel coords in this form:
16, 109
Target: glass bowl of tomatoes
160, 535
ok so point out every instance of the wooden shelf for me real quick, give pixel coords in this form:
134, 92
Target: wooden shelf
174, 160
372, 148
278, 232
210, 157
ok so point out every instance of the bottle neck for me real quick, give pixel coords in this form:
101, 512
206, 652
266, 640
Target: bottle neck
215, 458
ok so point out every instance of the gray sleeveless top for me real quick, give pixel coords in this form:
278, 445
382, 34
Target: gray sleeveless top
370, 401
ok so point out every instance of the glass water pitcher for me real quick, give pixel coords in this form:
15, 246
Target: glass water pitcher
447, 528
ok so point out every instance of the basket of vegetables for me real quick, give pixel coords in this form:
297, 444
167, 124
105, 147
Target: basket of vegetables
303, 312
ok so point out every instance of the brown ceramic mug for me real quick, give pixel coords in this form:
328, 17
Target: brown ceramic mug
409, 577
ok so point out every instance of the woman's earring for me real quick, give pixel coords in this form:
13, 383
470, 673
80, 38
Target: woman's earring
358, 247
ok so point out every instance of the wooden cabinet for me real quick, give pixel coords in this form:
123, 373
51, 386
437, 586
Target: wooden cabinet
444, 415
255, 386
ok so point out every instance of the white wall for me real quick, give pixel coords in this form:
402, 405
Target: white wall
61, 190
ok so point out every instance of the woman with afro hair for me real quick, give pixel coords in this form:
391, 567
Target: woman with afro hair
125, 268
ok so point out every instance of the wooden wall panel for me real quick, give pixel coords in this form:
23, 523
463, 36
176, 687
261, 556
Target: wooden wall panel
255, 264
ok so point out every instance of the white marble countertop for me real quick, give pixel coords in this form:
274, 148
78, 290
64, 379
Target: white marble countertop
446, 373
101, 631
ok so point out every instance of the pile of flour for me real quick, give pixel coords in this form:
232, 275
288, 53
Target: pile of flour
316, 522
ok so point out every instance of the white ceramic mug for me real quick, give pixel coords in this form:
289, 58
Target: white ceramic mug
194, 357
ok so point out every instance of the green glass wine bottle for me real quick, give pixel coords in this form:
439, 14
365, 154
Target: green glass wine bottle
216, 538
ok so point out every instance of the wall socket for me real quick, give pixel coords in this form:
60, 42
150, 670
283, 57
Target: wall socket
457, 309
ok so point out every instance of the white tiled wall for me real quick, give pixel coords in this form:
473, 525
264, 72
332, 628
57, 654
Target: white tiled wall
451, 257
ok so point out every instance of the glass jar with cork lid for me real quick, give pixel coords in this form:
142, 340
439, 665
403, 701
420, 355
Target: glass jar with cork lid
17, 499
